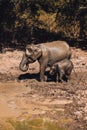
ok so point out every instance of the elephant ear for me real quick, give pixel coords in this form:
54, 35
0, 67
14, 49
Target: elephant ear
37, 52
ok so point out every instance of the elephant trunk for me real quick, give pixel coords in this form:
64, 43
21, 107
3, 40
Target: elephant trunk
24, 64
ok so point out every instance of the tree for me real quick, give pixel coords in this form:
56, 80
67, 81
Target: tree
25, 21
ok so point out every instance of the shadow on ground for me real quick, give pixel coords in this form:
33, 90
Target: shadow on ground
29, 76
36, 76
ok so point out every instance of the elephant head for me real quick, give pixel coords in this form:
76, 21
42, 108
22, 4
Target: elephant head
32, 53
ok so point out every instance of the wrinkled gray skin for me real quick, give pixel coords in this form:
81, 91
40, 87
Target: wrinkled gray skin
62, 68
46, 53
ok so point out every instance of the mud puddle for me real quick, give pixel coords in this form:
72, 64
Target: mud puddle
18, 101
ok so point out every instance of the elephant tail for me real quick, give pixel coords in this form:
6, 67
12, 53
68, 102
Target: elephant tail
69, 54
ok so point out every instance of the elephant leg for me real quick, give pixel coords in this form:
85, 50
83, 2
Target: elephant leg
61, 74
42, 71
42, 77
43, 66
67, 77
57, 77
68, 73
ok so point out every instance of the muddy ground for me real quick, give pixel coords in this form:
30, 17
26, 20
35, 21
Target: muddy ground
23, 96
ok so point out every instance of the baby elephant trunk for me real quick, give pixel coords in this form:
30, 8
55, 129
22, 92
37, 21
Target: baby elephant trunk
53, 70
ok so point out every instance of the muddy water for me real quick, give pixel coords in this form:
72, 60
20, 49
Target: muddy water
8, 92
18, 102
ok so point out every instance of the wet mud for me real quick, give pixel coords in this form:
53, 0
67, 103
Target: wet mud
24, 98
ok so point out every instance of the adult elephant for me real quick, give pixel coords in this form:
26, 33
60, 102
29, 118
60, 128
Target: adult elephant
46, 53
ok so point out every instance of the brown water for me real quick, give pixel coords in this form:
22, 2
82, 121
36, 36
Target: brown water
18, 102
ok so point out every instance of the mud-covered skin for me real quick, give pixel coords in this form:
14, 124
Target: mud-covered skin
61, 69
47, 54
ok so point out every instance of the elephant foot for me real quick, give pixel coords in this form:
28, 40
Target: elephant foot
42, 79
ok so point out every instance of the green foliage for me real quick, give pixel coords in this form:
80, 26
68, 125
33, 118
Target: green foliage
35, 124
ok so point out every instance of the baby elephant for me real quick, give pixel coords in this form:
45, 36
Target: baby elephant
61, 70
